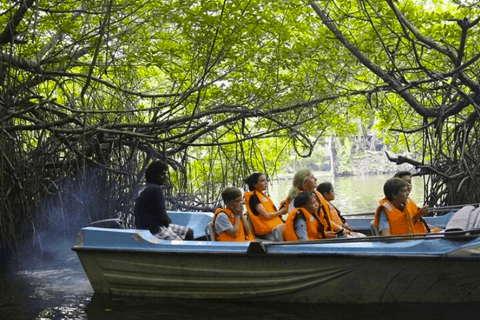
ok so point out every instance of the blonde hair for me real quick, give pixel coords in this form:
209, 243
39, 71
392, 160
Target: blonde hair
298, 179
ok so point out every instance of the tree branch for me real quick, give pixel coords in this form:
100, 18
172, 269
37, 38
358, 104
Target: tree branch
8, 34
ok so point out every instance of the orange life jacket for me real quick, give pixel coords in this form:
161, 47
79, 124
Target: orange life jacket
420, 226
400, 221
260, 225
315, 229
336, 221
324, 214
336, 213
225, 236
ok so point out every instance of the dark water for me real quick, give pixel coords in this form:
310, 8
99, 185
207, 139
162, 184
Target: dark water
49, 283
44, 282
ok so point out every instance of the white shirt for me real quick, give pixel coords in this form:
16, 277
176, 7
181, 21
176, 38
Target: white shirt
222, 223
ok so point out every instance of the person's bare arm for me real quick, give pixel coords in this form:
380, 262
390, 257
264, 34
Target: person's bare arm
269, 215
235, 227
246, 225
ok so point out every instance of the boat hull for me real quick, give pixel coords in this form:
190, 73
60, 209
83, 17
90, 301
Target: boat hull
282, 276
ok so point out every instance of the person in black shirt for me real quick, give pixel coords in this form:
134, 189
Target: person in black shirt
150, 211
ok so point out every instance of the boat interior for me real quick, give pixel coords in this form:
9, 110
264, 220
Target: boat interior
451, 219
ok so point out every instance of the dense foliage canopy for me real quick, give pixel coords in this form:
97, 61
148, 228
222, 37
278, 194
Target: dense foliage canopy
422, 61
90, 91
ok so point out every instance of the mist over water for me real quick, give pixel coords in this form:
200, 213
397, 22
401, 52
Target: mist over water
46, 283
44, 279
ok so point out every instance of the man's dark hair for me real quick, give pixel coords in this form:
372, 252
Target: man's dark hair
252, 180
154, 169
302, 199
401, 174
230, 194
392, 187
325, 187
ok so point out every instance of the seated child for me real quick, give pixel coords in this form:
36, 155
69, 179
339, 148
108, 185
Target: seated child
228, 223
303, 223
326, 190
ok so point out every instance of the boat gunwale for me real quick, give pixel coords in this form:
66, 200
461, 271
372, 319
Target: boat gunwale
383, 256
461, 235
443, 256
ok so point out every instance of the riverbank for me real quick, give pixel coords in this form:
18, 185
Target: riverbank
367, 163
375, 163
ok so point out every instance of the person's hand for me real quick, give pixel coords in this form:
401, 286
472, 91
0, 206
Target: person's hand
330, 234
237, 207
238, 212
424, 210
282, 204
282, 211
421, 212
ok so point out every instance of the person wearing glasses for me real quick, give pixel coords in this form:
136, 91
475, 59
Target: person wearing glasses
229, 223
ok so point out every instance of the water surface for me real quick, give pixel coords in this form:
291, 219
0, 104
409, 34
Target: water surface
353, 195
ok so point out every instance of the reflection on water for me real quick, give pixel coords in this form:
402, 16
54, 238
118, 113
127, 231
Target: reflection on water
357, 194
46, 283
104, 307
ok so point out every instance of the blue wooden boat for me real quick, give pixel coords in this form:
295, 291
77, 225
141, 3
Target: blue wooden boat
438, 268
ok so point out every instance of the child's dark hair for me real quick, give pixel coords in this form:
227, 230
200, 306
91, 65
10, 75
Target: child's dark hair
302, 199
392, 187
401, 174
325, 187
230, 194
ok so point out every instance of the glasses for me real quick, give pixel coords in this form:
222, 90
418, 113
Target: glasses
407, 180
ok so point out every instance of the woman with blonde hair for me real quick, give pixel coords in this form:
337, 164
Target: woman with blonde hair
305, 181
298, 179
